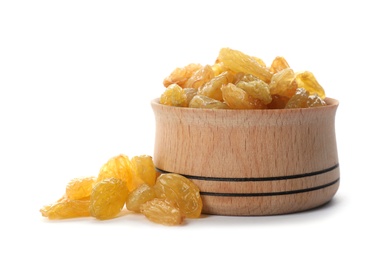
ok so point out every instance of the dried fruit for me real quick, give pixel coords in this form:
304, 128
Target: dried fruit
239, 62
259, 61
117, 167
278, 64
175, 96
218, 68
108, 198
143, 171
132, 183
139, 196
302, 99
190, 93
212, 88
200, 101
238, 98
182, 191
79, 188
278, 102
307, 81
180, 76
282, 83
256, 86
162, 211
200, 77
66, 208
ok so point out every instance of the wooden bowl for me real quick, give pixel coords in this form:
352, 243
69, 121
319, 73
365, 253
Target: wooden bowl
251, 162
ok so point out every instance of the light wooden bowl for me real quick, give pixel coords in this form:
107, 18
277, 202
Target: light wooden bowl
251, 162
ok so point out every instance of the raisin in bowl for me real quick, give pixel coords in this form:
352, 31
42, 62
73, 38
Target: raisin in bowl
251, 161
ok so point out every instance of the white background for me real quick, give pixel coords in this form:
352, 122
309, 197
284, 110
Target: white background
76, 81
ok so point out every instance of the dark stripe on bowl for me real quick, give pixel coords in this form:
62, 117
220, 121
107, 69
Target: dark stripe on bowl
265, 194
277, 178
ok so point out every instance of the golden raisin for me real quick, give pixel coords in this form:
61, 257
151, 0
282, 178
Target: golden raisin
259, 61
238, 98
278, 102
308, 81
190, 93
79, 188
212, 88
218, 68
139, 196
278, 64
200, 77
200, 101
108, 198
256, 88
281, 83
162, 211
240, 62
182, 191
117, 167
143, 171
181, 75
302, 99
174, 95
66, 208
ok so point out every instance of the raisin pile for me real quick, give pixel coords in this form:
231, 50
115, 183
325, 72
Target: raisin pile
240, 81
166, 199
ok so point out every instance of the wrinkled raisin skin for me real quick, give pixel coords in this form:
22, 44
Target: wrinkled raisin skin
182, 191
108, 198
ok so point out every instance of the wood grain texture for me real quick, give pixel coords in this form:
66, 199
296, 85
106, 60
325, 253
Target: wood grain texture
253, 162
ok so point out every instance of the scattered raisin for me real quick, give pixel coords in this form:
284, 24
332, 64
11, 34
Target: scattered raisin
108, 198
182, 191
79, 188
162, 211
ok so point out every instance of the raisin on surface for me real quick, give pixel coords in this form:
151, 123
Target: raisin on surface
66, 208
162, 211
79, 188
117, 167
139, 196
182, 191
108, 198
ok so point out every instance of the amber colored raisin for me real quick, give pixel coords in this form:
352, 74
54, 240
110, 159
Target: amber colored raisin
259, 61
218, 68
302, 99
139, 196
308, 81
238, 98
278, 64
174, 95
257, 89
117, 167
299, 99
190, 93
281, 83
108, 198
66, 208
143, 171
212, 88
182, 191
240, 62
200, 101
79, 188
278, 102
200, 77
181, 75
162, 211
315, 101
